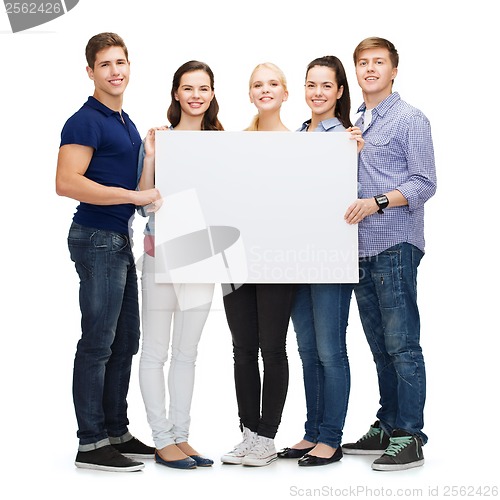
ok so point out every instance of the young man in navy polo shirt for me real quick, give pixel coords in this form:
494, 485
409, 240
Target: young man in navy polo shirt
97, 166
397, 175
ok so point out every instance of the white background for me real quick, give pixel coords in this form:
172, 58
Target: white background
448, 69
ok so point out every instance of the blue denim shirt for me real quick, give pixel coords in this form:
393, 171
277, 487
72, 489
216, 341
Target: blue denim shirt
330, 125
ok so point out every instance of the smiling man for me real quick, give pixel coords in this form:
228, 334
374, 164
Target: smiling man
97, 165
396, 177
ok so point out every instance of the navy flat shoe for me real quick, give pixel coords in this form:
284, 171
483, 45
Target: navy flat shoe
311, 461
293, 452
185, 463
202, 461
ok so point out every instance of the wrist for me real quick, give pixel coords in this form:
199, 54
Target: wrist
382, 202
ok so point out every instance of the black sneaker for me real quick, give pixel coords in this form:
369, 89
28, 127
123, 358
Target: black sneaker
374, 442
133, 448
106, 458
404, 452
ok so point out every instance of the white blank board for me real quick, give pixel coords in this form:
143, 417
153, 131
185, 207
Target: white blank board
265, 207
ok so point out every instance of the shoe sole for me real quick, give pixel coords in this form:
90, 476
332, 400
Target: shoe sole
258, 462
350, 451
231, 461
389, 467
108, 468
137, 455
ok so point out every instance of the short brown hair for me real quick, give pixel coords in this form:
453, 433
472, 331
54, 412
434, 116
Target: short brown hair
375, 43
100, 42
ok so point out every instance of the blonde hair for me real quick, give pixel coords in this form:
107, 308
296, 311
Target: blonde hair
254, 125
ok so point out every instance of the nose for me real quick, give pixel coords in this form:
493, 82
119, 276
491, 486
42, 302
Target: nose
115, 69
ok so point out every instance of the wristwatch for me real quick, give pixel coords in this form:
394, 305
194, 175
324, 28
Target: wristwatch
382, 202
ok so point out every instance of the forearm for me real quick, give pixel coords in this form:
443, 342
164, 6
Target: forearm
147, 180
80, 188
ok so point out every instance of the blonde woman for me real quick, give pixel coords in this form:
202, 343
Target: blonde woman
258, 316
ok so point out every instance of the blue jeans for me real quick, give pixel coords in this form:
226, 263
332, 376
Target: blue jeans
110, 332
320, 314
387, 302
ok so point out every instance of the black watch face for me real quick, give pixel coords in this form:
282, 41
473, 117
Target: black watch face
382, 201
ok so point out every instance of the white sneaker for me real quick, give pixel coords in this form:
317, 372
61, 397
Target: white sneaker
262, 453
240, 450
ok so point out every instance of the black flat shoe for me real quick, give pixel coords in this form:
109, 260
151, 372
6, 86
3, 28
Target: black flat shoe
311, 460
293, 452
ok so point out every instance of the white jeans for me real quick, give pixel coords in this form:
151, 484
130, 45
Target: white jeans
159, 309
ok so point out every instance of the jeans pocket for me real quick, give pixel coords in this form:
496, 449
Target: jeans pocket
387, 279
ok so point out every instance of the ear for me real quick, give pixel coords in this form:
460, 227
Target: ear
90, 72
340, 92
394, 73
176, 96
285, 96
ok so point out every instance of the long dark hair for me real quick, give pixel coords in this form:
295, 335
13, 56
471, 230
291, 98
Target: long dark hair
210, 120
343, 106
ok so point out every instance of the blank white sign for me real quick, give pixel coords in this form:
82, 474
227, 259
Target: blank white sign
265, 207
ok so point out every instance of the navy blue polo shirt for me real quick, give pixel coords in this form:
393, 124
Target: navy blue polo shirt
116, 144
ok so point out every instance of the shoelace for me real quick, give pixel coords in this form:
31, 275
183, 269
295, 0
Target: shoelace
372, 432
244, 446
259, 448
396, 444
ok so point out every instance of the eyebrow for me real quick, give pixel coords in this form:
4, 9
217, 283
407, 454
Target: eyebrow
108, 61
326, 81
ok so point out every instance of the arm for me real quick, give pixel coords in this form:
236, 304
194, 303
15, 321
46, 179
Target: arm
147, 179
364, 207
421, 182
73, 161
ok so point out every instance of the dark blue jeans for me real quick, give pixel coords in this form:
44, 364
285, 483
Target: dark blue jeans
110, 332
319, 315
387, 302
258, 316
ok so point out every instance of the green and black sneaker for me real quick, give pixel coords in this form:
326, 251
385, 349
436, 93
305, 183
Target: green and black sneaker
374, 442
404, 452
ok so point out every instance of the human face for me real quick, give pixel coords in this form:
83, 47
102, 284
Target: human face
110, 75
375, 74
194, 93
266, 90
322, 91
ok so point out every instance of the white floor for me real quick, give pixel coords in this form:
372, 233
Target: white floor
39, 442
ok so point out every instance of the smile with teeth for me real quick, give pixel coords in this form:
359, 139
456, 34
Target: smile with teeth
117, 81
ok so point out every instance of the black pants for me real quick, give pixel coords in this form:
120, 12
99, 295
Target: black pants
258, 317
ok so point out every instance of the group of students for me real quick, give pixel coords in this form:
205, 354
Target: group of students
104, 164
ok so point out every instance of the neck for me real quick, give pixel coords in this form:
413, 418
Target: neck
270, 123
372, 100
189, 122
317, 119
112, 102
